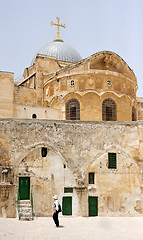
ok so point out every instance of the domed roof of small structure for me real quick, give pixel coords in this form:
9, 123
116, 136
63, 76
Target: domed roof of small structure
60, 50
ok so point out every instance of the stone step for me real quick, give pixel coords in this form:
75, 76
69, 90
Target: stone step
25, 205
26, 214
25, 210
25, 202
26, 218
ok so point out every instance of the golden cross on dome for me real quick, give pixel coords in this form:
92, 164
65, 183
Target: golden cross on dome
58, 25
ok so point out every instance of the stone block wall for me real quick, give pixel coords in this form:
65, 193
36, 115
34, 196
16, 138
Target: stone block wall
6, 94
74, 149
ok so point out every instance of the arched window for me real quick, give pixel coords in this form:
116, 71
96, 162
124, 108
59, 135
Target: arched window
34, 115
73, 110
109, 110
134, 118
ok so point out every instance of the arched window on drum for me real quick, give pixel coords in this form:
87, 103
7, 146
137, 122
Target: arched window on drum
134, 115
73, 110
109, 111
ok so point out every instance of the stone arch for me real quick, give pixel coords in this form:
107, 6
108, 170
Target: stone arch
33, 147
110, 148
56, 101
47, 177
73, 95
116, 188
110, 94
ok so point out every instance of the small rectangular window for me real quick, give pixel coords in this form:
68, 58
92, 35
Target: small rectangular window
44, 152
112, 162
91, 178
68, 190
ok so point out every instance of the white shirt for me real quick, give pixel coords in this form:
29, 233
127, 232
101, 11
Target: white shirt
56, 205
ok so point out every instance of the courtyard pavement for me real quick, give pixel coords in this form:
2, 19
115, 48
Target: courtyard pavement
73, 228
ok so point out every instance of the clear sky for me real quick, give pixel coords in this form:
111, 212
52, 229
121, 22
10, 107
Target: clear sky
91, 26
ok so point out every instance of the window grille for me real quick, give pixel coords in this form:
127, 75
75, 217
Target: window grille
91, 178
134, 114
112, 162
108, 110
73, 110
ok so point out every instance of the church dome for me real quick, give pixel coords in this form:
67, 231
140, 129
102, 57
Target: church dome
60, 50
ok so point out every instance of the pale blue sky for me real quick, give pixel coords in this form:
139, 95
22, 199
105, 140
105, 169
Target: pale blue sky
91, 26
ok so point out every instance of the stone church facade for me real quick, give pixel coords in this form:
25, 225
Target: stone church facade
72, 127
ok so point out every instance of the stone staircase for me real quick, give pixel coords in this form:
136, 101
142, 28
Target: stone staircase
25, 210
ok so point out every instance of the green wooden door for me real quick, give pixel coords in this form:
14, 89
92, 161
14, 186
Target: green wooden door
67, 206
24, 188
93, 206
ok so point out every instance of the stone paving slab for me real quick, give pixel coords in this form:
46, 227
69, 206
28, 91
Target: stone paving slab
93, 228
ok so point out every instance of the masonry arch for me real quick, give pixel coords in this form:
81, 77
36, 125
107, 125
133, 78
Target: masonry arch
116, 188
49, 174
33, 147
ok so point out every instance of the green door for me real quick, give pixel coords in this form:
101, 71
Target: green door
67, 206
24, 188
93, 206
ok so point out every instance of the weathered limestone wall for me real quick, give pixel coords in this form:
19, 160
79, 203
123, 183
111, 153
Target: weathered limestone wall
22, 111
75, 149
6, 94
24, 96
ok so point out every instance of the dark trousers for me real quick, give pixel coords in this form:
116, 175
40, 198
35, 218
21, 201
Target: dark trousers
56, 220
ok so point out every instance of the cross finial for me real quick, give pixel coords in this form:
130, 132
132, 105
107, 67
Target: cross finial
58, 25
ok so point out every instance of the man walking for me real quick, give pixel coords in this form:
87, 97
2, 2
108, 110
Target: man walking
56, 210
